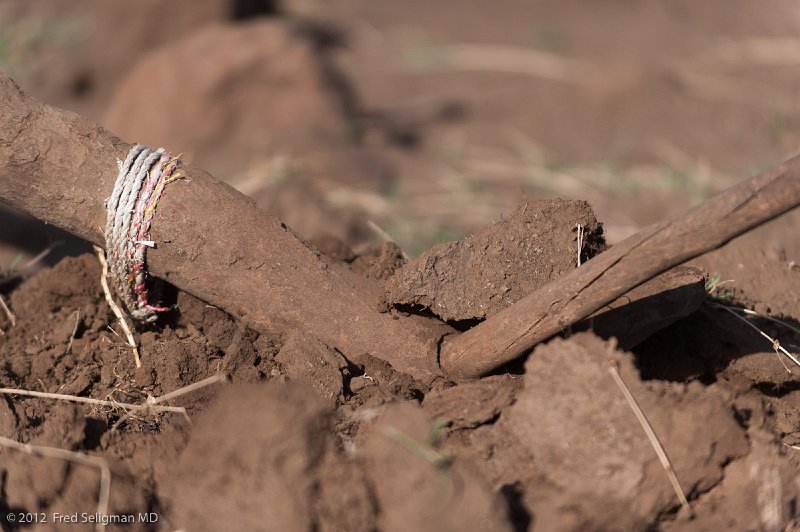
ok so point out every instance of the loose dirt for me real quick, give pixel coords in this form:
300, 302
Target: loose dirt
308, 437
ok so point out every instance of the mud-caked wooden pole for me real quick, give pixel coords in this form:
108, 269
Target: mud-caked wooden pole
656, 248
211, 240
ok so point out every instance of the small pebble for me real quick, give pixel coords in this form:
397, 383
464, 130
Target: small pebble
357, 383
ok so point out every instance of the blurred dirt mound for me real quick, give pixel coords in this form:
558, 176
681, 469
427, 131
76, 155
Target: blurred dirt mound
304, 204
232, 97
417, 487
576, 80
476, 277
263, 457
761, 493
268, 454
73, 54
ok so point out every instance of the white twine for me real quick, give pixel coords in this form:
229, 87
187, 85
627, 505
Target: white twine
140, 183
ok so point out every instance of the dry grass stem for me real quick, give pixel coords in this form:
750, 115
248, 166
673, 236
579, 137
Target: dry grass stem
10, 315
580, 242
776, 345
114, 307
40, 256
513, 60
759, 51
153, 402
431, 455
92, 401
214, 379
780, 359
72, 456
770, 318
651, 435
74, 330
15, 274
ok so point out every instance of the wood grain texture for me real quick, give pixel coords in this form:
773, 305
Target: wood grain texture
212, 241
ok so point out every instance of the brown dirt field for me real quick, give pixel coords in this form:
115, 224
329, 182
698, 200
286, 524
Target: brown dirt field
334, 114
346, 443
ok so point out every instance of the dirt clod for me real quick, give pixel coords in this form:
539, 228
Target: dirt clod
273, 70
497, 266
266, 466
568, 388
379, 262
472, 404
417, 488
308, 360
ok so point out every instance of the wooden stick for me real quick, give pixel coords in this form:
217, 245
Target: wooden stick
212, 241
658, 247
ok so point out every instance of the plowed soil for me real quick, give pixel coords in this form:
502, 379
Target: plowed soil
334, 114
302, 436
